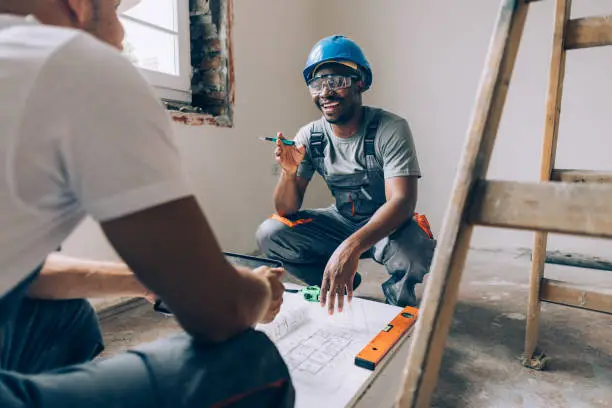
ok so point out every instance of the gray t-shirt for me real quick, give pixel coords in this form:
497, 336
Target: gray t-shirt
394, 148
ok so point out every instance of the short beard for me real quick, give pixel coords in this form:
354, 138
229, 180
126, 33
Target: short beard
92, 26
95, 7
346, 116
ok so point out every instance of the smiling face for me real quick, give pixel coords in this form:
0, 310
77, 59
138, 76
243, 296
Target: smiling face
338, 94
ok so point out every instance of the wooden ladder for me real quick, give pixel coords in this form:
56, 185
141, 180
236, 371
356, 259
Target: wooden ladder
560, 206
568, 35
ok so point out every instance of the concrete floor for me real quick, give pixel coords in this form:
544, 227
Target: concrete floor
480, 366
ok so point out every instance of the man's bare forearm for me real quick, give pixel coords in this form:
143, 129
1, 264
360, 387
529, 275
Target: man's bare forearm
389, 217
64, 277
287, 198
173, 251
235, 305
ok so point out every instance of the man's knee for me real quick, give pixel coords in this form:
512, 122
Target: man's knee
275, 241
268, 233
87, 319
247, 369
81, 329
407, 251
48, 334
414, 263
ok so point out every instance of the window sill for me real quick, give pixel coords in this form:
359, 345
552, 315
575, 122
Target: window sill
189, 115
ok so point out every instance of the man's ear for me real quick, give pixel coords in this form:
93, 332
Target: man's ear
82, 11
361, 85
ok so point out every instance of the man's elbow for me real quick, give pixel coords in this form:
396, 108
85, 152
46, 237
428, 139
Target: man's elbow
406, 204
230, 317
217, 329
286, 211
213, 335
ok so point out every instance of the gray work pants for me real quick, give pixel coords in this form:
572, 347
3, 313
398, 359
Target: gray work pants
305, 249
46, 348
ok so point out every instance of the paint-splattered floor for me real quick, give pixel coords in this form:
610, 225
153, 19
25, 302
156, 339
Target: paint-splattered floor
480, 366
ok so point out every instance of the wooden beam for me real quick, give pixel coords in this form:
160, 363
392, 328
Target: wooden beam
577, 260
576, 209
564, 293
437, 306
581, 176
554, 97
589, 32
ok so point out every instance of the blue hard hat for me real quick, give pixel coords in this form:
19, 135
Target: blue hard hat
337, 48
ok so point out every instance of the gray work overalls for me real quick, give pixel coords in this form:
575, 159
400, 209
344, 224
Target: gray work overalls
304, 241
360, 194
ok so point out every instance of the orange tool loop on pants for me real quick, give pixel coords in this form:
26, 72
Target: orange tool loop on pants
290, 223
421, 219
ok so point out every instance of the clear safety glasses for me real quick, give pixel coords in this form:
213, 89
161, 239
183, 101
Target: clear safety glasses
333, 82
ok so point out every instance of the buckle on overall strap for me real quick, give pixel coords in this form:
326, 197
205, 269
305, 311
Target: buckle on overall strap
370, 135
316, 143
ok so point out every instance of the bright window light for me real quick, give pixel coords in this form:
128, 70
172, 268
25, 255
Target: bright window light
157, 41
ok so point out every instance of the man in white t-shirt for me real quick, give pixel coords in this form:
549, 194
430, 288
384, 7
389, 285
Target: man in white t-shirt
84, 134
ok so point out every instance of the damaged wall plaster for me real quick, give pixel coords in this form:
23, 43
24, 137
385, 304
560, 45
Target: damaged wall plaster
212, 81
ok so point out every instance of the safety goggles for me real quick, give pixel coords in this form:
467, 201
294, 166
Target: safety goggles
333, 82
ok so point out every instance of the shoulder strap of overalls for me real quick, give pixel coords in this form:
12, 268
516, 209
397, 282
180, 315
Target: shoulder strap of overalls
370, 138
317, 138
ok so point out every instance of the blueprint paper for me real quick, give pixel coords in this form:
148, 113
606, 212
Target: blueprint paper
287, 321
320, 349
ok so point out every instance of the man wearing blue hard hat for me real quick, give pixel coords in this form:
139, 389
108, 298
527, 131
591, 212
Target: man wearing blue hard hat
368, 160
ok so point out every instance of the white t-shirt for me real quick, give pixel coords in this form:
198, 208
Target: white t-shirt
81, 132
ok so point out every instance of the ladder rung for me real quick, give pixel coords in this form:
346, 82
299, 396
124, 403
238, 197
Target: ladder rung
564, 293
581, 176
577, 260
576, 209
588, 32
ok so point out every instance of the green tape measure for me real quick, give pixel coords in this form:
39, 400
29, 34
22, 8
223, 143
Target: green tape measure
311, 293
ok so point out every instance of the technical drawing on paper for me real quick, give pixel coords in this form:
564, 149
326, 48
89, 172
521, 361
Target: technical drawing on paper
319, 349
307, 347
285, 323
312, 354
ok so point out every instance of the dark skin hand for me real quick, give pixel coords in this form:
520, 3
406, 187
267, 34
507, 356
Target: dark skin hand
401, 193
290, 190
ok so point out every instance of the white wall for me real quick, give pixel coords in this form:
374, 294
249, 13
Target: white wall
427, 58
230, 169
